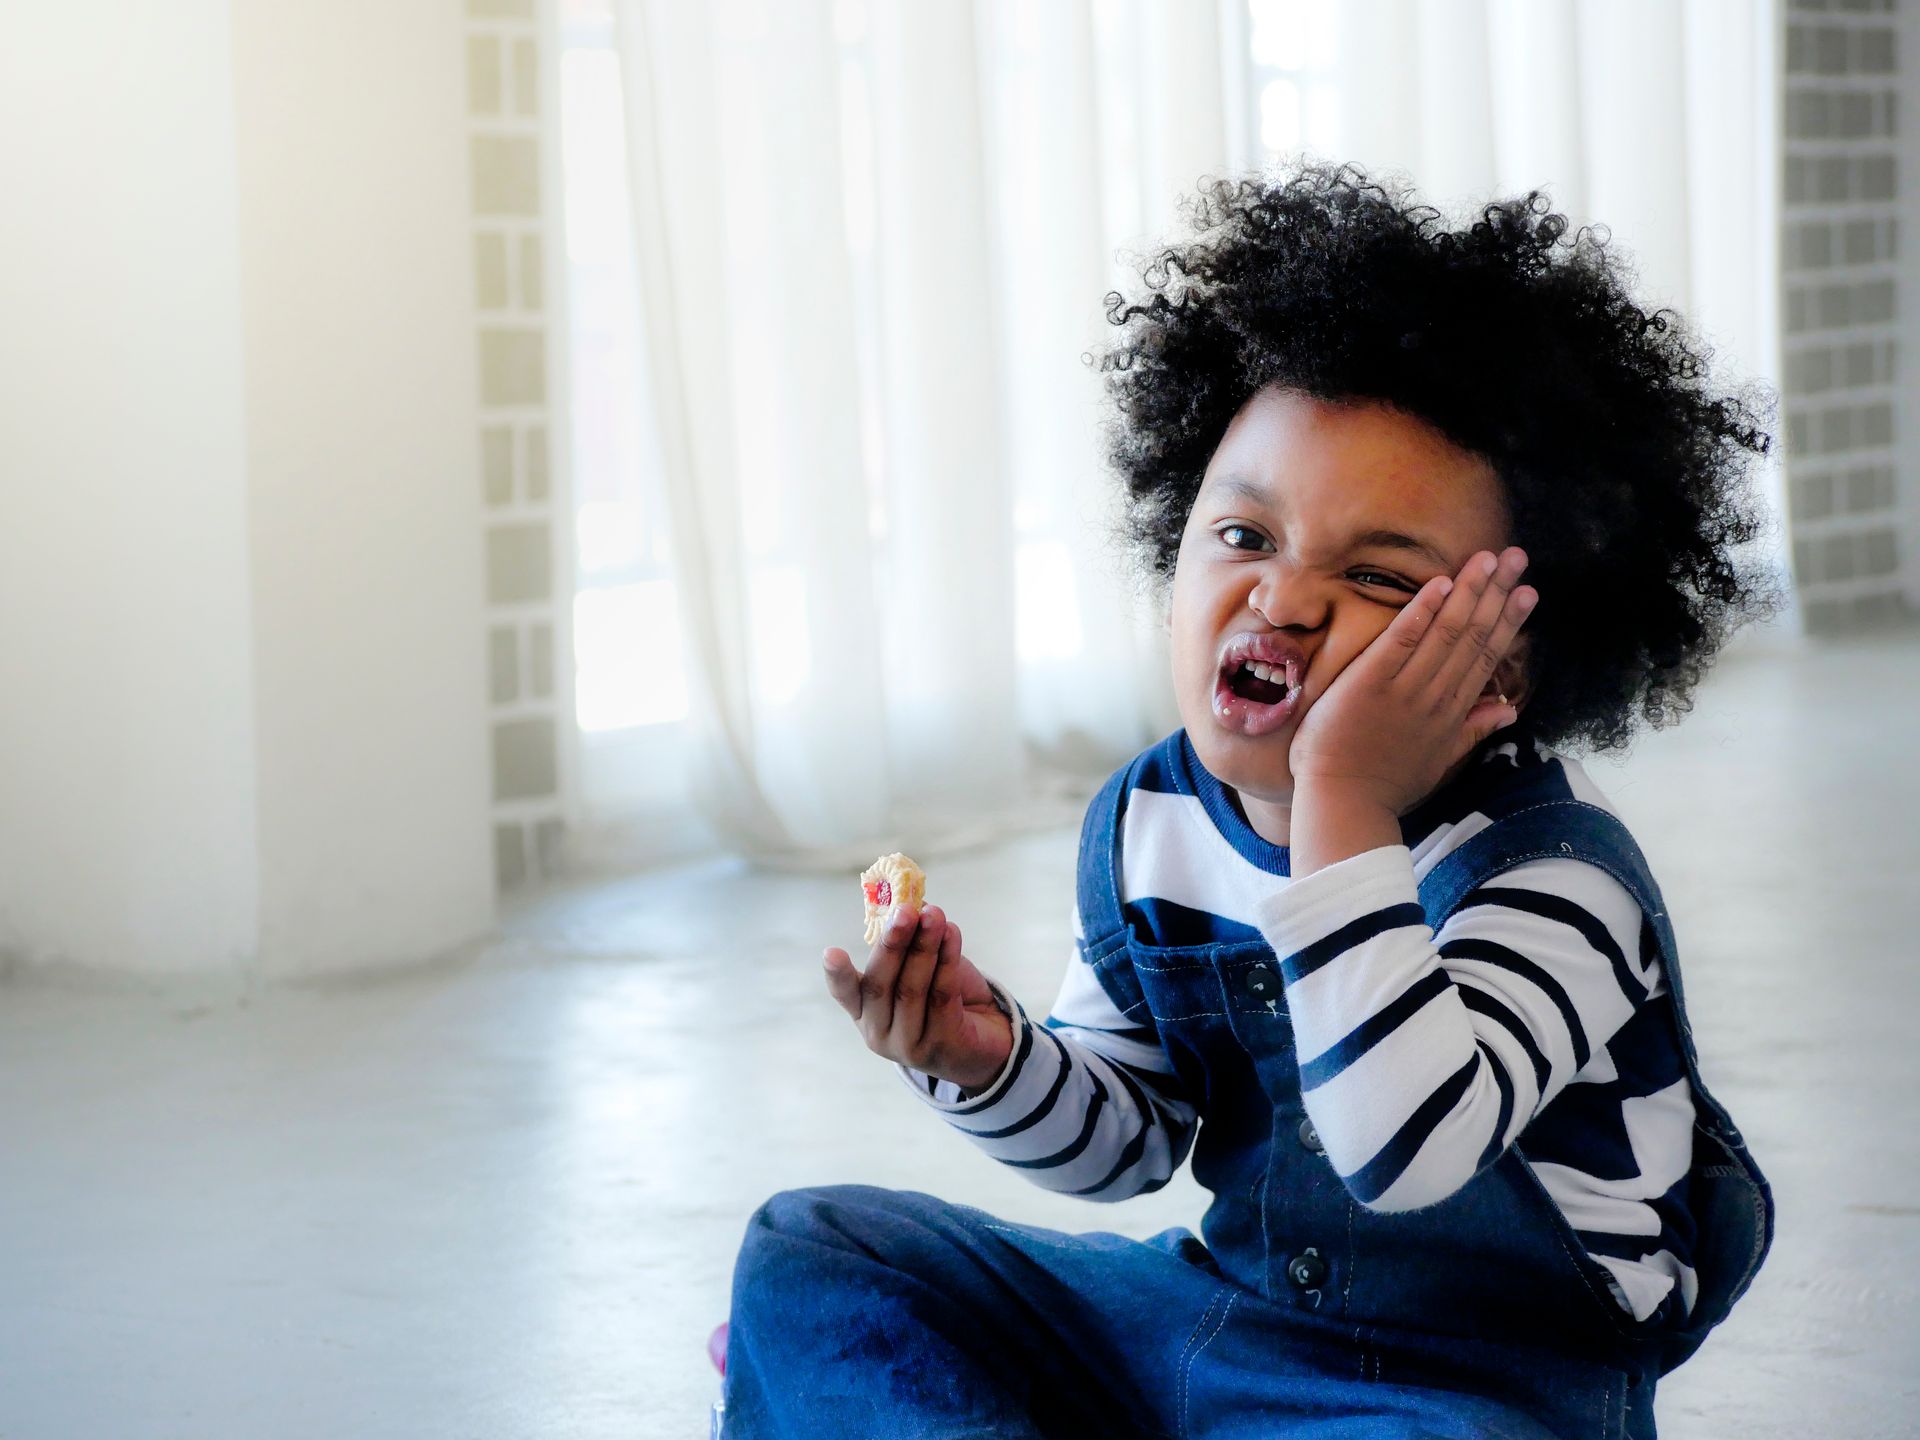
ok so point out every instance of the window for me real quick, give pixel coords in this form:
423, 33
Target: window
1293, 45
629, 679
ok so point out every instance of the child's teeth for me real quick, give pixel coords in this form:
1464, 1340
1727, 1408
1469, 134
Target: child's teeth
1271, 674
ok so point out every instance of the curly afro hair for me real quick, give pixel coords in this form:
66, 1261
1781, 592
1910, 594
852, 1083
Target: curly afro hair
1626, 477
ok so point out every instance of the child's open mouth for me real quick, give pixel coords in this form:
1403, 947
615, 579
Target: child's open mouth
1257, 686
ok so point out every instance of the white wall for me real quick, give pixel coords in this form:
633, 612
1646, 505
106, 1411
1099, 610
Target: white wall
127, 796
362, 467
241, 690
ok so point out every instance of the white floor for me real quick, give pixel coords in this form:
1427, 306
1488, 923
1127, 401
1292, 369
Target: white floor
501, 1198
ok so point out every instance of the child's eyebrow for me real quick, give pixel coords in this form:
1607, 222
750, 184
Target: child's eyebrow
1245, 489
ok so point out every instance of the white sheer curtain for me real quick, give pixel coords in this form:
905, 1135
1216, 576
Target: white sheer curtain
873, 237
873, 241
1658, 118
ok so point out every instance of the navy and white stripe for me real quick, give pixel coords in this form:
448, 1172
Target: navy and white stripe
1422, 1057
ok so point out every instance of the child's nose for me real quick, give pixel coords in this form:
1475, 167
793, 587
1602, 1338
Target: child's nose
1287, 597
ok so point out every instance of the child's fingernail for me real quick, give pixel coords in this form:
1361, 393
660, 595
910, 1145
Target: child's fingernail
1446, 586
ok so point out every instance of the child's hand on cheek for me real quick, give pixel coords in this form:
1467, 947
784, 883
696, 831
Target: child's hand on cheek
1409, 707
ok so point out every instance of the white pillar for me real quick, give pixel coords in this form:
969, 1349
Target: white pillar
242, 725
127, 750
362, 481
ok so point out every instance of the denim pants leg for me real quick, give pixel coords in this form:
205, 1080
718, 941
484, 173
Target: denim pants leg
866, 1312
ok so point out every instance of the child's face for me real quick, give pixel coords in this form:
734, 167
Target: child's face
1290, 550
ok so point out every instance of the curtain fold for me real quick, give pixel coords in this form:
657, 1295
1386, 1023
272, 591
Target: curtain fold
947, 555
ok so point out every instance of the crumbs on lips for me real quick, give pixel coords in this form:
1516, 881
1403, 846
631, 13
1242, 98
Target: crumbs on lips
891, 880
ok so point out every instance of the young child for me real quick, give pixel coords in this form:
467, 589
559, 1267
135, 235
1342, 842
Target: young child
1356, 925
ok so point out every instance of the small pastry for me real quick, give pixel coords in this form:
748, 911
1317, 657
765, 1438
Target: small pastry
891, 880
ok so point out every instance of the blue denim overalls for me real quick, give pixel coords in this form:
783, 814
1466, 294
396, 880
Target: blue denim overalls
1437, 1292
860, 1311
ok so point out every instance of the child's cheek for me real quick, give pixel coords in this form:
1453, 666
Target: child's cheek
1335, 656
1344, 646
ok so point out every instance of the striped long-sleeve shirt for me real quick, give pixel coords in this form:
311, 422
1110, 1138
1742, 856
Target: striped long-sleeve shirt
1422, 1056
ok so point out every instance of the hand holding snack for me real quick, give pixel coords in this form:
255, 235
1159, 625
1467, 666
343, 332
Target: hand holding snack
891, 880
920, 1002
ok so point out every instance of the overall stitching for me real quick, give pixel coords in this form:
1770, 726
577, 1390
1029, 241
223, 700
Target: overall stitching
1264, 1188
1346, 1291
1760, 1240
1557, 1221
1198, 1015
1193, 1353
1620, 873
1180, 1390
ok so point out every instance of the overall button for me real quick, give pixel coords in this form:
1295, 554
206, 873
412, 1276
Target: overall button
1307, 1270
1310, 1138
1263, 983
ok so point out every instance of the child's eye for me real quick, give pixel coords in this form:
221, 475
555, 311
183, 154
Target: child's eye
1226, 532
1380, 577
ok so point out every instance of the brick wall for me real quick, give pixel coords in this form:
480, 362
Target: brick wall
1842, 302
524, 577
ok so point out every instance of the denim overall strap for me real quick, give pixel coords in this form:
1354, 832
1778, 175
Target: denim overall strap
1732, 1202
1554, 829
1103, 924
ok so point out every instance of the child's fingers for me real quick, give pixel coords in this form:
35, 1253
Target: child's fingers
1400, 641
1472, 682
1485, 718
1450, 626
943, 991
843, 981
883, 968
909, 1016
1482, 640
